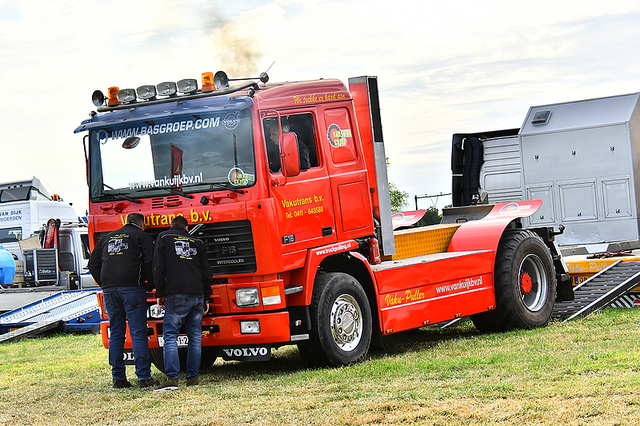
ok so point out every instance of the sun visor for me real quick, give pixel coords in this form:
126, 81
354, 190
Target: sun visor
142, 112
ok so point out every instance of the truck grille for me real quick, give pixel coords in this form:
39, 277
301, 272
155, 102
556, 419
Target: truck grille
229, 247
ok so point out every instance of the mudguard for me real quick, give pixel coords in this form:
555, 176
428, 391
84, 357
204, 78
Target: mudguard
485, 234
307, 273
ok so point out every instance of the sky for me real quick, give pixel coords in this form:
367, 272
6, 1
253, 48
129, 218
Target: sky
442, 67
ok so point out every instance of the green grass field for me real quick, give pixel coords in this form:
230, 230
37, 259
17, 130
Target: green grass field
586, 372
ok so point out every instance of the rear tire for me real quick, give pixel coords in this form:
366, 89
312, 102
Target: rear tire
525, 284
207, 357
340, 322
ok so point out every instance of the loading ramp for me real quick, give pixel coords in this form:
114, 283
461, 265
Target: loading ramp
75, 310
600, 291
29, 330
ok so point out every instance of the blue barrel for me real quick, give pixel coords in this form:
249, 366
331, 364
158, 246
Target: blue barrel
7, 266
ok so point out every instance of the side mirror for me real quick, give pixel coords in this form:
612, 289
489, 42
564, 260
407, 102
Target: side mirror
290, 155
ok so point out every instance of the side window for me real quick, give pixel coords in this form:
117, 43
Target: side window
343, 148
84, 238
65, 243
302, 126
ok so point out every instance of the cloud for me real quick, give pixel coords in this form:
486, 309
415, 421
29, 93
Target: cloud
442, 68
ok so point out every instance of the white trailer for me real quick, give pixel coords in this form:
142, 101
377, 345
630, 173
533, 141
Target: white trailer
581, 158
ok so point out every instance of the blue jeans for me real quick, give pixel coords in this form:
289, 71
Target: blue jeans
181, 308
122, 304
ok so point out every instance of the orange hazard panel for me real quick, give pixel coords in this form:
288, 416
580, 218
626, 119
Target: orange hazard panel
420, 241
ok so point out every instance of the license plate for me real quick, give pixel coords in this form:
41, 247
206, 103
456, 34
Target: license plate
183, 341
581, 278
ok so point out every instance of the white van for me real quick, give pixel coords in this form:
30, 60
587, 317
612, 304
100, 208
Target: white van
25, 207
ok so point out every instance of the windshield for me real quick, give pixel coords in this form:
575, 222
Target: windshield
10, 235
189, 153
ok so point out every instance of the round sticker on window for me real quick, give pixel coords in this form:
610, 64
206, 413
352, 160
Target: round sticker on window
237, 177
338, 137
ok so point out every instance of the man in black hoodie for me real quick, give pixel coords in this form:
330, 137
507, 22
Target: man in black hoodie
121, 265
183, 280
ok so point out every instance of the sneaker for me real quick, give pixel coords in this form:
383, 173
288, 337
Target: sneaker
148, 383
193, 381
121, 384
169, 385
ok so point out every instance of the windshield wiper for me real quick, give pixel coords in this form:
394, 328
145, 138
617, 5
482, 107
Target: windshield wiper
124, 197
172, 190
180, 192
210, 185
222, 185
116, 195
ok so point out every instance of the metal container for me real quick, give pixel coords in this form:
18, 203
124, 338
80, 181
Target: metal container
581, 158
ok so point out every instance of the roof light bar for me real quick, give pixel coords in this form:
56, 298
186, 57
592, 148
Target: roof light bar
146, 92
188, 86
168, 88
127, 96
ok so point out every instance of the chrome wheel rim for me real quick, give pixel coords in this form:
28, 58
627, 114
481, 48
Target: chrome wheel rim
346, 322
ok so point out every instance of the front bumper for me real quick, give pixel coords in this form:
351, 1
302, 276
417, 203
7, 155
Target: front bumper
224, 330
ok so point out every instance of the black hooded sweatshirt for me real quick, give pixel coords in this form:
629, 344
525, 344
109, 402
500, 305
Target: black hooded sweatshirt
180, 264
123, 258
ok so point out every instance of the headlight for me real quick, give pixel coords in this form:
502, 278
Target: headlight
156, 311
247, 297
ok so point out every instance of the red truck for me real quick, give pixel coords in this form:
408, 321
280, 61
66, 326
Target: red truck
299, 233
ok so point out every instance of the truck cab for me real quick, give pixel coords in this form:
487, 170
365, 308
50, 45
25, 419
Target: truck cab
286, 185
25, 207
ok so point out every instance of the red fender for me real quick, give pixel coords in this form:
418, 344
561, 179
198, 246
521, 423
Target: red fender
307, 274
375, 306
484, 234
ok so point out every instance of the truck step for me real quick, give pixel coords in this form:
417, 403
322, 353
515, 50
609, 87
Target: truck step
600, 290
29, 330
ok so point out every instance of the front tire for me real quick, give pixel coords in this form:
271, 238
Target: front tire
525, 284
340, 322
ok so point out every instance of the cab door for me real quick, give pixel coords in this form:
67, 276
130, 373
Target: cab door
348, 174
304, 206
